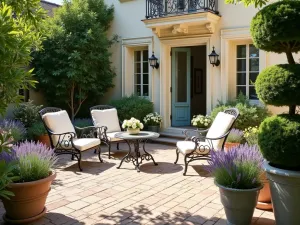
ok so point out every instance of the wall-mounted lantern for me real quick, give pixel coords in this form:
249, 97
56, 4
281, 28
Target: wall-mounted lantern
214, 58
153, 61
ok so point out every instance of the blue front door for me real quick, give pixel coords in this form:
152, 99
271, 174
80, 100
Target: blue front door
181, 84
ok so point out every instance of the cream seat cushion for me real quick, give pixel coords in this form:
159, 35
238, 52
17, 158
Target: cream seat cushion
59, 122
220, 126
111, 136
186, 147
83, 144
108, 118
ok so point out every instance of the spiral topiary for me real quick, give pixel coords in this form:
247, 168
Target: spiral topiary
279, 141
275, 29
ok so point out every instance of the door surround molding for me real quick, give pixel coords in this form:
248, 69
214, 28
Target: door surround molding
165, 74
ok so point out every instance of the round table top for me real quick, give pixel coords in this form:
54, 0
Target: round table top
142, 135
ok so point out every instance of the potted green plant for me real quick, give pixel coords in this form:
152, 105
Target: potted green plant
38, 132
274, 29
234, 138
237, 174
153, 121
264, 198
33, 163
201, 122
133, 126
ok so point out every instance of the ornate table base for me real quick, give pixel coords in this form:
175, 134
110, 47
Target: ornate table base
137, 155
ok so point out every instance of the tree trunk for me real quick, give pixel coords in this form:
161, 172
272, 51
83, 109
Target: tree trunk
292, 109
290, 57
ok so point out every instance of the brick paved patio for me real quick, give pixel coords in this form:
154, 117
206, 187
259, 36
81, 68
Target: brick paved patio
102, 194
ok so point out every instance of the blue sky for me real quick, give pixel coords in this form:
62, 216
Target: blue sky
55, 1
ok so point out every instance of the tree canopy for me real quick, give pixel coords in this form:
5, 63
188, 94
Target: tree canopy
20, 33
75, 61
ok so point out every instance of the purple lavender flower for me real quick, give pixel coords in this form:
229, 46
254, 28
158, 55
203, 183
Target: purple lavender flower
39, 149
235, 136
238, 168
15, 127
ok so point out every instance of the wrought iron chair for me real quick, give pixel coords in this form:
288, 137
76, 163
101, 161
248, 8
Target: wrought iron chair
106, 116
63, 137
197, 145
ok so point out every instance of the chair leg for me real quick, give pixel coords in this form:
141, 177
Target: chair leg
177, 156
99, 152
185, 165
79, 161
109, 146
72, 158
118, 146
95, 152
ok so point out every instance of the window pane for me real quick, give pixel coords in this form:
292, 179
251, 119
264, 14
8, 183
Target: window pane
241, 65
145, 55
252, 93
137, 56
252, 78
145, 90
254, 64
240, 89
241, 78
137, 68
145, 67
253, 52
137, 78
181, 77
241, 51
137, 90
145, 79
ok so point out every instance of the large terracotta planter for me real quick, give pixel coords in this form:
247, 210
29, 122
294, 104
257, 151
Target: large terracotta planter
239, 204
264, 197
44, 139
229, 145
28, 204
285, 192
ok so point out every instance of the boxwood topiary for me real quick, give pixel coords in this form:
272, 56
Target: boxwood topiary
279, 85
275, 27
279, 141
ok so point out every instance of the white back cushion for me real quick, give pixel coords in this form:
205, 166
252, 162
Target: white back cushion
108, 118
220, 126
59, 122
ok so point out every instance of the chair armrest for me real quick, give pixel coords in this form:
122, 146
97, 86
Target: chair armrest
189, 134
65, 138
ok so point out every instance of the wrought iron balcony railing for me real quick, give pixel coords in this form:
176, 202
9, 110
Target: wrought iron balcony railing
163, 8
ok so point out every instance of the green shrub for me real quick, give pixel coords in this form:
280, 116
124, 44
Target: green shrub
132, 106
251, 135
27, 113
279, 85
250, 115
274, 28
279, 141
36, 130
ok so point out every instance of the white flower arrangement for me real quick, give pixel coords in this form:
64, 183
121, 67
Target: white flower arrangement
201, 121
152, 119
132, 124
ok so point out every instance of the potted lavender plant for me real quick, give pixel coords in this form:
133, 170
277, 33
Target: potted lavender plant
15, 127
237, 174
33, 164
234, 138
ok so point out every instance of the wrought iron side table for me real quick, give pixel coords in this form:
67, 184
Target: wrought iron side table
137, 155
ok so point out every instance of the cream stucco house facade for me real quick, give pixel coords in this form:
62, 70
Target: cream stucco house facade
181, 34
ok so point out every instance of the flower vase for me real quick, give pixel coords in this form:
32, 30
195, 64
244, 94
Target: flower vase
133, 131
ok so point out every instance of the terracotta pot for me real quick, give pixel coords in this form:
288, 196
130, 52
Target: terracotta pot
229, 145
264, 197
44, 139
28, 204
